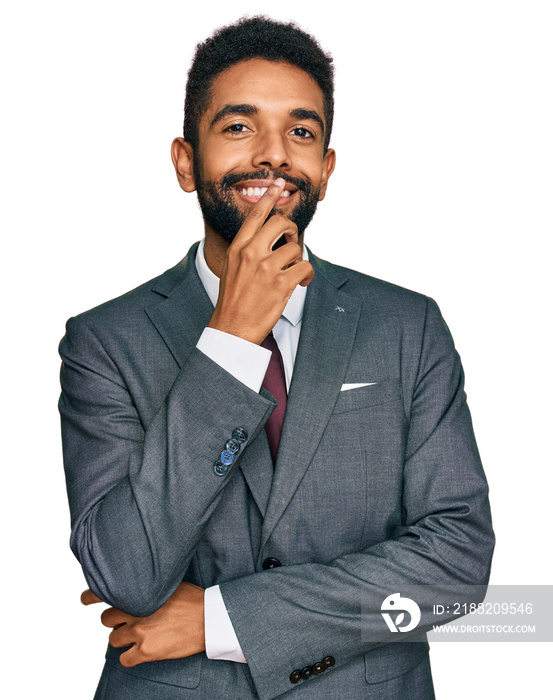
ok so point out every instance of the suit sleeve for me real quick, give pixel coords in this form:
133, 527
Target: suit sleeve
294, 616
141, 495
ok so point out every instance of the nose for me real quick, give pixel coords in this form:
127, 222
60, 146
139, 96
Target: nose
271, 151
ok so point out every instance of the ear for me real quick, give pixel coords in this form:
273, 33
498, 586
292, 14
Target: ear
329, 162
182, 157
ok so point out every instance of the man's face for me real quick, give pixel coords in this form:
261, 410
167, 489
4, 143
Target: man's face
265, 120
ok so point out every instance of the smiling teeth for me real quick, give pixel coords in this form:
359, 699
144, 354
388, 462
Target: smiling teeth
259, 192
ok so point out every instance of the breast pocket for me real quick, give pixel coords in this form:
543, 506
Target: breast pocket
375, 394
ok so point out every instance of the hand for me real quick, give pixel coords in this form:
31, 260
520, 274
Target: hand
256, 281
174, 631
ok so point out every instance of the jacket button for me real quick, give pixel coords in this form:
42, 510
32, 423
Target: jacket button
232, 446
295, 676
240, 434
271, 563
219, 468
226, 457
318, 668
328, 661
306, 673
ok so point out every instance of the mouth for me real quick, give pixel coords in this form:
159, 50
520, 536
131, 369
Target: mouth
252, 191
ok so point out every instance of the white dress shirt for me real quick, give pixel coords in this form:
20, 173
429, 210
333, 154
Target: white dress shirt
248, 363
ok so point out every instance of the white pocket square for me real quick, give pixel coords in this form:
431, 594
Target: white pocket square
347, 387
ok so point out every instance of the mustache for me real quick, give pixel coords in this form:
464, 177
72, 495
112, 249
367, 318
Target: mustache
234, 178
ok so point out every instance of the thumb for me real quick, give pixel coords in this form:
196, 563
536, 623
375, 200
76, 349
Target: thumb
132, 657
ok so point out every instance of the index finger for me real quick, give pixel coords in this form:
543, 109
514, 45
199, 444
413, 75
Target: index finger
259, 211
88, 597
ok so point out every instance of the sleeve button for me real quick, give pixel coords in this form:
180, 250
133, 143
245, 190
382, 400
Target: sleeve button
226, 457
232, 446
318, 668
295, 676
240, 434
328, 661
219, 468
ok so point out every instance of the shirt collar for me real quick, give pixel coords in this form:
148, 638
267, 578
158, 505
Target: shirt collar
293, 311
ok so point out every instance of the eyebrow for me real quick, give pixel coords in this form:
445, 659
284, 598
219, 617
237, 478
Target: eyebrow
244, 109
308, 114
248, 110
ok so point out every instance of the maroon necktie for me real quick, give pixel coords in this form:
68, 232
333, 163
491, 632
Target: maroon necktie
275, 383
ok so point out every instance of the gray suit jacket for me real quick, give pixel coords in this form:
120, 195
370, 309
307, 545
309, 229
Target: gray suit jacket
375, 490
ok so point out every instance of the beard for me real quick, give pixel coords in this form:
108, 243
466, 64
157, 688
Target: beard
223, 216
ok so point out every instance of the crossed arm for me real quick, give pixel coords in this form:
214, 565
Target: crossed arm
174, 631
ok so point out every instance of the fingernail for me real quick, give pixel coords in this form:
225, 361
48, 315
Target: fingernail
279, 182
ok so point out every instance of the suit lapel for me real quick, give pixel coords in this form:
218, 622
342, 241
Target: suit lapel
184, 310
329, 325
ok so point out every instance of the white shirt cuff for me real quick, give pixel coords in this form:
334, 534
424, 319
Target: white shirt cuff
246, 361
221, 642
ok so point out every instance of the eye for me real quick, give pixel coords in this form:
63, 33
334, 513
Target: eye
237, 128
302, 132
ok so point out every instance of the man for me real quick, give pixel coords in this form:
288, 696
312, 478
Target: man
297, 515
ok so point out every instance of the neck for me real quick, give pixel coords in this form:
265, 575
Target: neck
215, 251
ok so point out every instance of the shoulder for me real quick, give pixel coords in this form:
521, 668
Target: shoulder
384, 299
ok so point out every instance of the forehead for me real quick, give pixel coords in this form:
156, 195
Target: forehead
270, 86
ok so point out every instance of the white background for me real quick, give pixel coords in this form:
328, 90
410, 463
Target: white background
443, 184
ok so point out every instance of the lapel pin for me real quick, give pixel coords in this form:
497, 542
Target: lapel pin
340, 309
